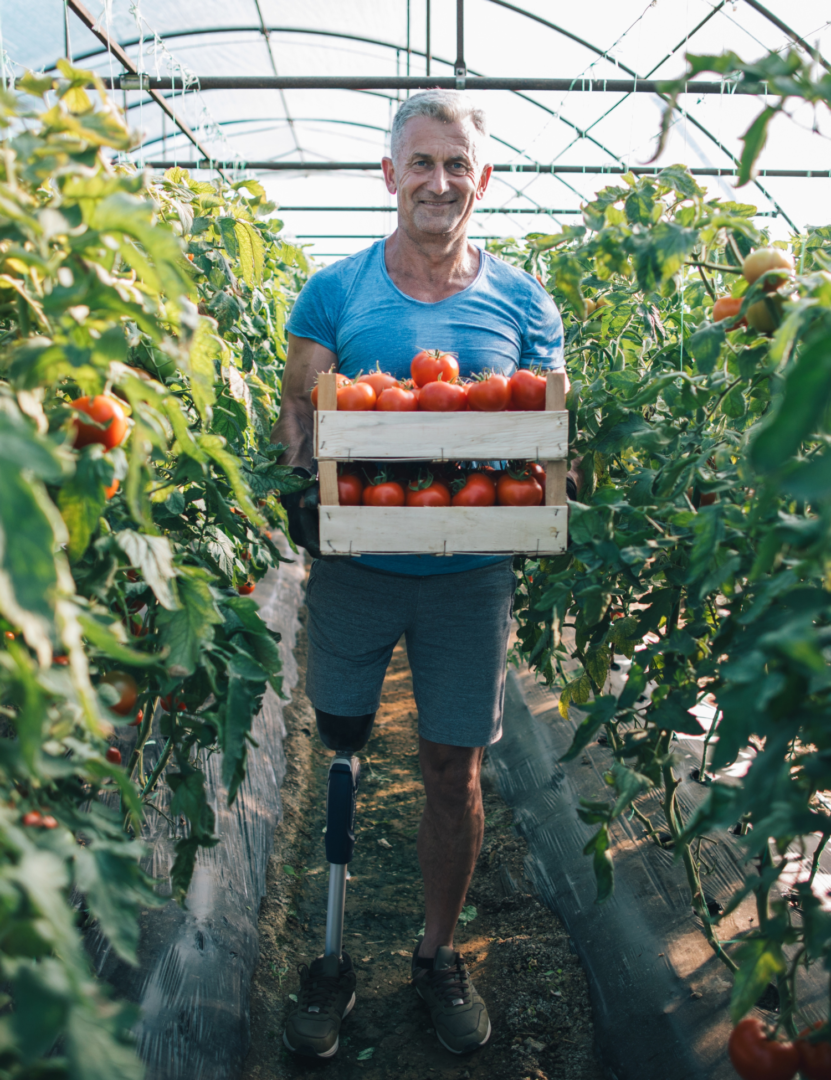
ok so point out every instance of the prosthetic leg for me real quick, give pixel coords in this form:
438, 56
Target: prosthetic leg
346, 735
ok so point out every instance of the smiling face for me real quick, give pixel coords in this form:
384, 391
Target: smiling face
436, 176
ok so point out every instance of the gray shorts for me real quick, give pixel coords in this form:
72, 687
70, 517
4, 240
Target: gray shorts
456, 627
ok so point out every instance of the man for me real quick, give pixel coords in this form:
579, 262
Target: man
425, 286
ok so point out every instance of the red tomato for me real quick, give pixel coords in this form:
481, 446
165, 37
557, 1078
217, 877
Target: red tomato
428, 492
478, 490
379, 381
103, 410
61, 661
442, 397
8, 635
340, 380
138, 719
33, 817
125, 687
432, 364
350, 489
112, 489
385, 493
527, 391
492, 394
48, 822
727, 307
756, 1057
113, 755
511, 491
814, 1057
359, 397
396, 399
167, 703
537, 471
247, 588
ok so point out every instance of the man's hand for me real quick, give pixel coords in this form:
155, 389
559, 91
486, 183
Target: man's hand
302, 512
295, 425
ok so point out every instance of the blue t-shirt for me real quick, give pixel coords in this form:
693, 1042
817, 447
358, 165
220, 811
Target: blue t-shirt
503, 320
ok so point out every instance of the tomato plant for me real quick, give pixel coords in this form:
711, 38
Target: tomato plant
431, 364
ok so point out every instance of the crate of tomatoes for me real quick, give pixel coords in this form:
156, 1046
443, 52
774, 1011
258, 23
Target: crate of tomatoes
387, 450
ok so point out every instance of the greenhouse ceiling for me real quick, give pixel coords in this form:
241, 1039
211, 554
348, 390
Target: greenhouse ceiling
316, 147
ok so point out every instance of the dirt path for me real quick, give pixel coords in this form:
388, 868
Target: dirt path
520, 957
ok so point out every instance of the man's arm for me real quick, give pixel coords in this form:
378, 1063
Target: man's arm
295, 424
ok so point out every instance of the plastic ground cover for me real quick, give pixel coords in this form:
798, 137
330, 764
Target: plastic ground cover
195, 965
659, 994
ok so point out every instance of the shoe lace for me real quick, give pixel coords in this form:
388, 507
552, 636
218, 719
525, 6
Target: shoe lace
317, 992
453, 983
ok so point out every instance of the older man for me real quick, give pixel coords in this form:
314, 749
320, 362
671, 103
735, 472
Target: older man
425, 286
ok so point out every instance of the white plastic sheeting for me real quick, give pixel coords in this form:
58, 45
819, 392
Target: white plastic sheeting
609, 39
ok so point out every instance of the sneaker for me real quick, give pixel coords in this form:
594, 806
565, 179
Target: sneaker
327, 994
460, 1016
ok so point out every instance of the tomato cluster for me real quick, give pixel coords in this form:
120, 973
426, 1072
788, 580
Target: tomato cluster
774, 267
435, 387
756, 1056
521, 484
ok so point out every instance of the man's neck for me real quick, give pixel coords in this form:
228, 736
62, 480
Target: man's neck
430, 268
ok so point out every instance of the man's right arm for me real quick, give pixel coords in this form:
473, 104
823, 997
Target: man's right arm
306, 359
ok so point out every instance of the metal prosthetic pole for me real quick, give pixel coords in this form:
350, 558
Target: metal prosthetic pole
341, 795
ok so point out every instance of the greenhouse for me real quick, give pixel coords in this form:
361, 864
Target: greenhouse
492, 745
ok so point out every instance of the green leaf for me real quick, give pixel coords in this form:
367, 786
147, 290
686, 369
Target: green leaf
82, 499
706, 345
754, 140
110, 876
106, 637
153, 557
598, 847
251, 252
214, 447
635, 686
597, 661
601, 711
760, 961
189, 629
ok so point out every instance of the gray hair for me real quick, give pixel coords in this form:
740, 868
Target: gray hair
449, 106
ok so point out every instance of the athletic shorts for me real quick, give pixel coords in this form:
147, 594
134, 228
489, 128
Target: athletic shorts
456, 627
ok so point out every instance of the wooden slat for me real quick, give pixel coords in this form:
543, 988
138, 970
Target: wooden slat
469, 436
327, 401
555, 470
350, 530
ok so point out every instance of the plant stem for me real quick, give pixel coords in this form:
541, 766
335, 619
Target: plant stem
721, 267
823, 840
159, 769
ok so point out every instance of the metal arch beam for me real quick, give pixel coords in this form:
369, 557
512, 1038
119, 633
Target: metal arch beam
503, 3
117, 51
777, 22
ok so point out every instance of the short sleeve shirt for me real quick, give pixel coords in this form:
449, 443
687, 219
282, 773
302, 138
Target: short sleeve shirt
502, 321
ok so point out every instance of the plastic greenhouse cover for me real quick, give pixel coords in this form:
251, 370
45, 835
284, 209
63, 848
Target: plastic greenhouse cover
600, 39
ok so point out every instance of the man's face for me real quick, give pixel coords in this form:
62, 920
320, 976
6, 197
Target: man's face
436, 176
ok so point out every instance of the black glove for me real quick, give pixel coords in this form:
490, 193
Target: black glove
304, 526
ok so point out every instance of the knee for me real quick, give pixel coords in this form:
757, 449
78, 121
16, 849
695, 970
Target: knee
451, 776
347, 734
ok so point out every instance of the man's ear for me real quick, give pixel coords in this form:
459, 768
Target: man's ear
481, 187
389, 175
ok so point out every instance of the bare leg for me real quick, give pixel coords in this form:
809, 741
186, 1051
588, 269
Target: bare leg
449, 837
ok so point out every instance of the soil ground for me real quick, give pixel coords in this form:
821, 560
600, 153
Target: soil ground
521, 959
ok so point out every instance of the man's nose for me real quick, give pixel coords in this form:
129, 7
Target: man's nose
438, 182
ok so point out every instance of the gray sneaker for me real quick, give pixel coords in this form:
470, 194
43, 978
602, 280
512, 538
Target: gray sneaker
460, 1016
327, 994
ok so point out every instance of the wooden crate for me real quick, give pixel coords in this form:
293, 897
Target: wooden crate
497, 530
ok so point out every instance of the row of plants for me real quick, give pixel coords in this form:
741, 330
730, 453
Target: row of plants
141, 346
701, 545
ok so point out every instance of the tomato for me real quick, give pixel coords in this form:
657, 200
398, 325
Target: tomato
48, 822
537, 471
756, 1057
492, 394
814, 1057
478, 490
247, 588
513, 491
428, 492
33, 817
379, 381
397, 399
707, 498
125, 687
8, 635
350, 489
168, 704
112, 489
105, 411
137, 719
761, 261
340, 380
765, 315
432, 364
61, 660
527, 391
383, 493
359, 397
442, 397
113, 755
727, 307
